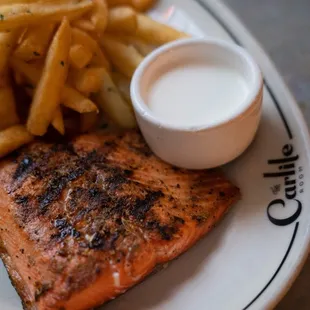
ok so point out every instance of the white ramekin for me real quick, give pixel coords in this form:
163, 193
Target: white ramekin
206, 146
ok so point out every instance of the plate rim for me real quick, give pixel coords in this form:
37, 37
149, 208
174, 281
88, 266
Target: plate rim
218, 10
239, 33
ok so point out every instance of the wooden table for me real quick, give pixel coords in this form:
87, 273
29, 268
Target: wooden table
283, 29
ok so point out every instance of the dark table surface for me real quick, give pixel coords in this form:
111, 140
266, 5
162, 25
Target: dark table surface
283, 29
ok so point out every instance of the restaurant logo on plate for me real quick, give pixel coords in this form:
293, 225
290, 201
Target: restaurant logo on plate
291, 176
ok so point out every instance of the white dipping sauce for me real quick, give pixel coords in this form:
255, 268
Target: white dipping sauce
197, 94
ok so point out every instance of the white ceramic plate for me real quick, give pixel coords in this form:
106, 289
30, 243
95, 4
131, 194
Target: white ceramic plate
250, 260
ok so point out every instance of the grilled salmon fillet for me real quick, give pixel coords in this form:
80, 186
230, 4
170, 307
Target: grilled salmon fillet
82, 222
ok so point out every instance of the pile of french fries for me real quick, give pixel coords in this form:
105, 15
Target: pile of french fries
74, 59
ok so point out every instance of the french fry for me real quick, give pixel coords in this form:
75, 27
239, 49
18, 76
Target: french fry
154, 32
81, 37
21, 35
125, 58
12, 138
58, 121
123, 85
111, 101
18, 78
70, 98
142, 47
87, 80
53, 1
8, 114
122, 19
19, 1
100, 60
112, 3
66, 67
48, 91
79, 56
22, 15
29, 91
142, 5
88, 121
29, 71
99, 15
39, 63
84, 24
7, 41
35, 43
72, 124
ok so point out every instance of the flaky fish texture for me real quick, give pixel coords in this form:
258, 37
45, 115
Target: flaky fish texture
82, 222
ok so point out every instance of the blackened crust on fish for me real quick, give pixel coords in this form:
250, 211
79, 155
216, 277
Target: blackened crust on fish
141, 148
64, 230
84, 205
142, 206
61, 167
59, 181
21, 200
144, 150
33, 161
24, 165
63, 147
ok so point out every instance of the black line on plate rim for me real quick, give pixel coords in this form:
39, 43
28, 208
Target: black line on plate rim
287, 127
279, 268
233, 36
289, 133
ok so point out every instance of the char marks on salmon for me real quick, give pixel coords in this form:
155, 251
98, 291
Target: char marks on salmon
82, 222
